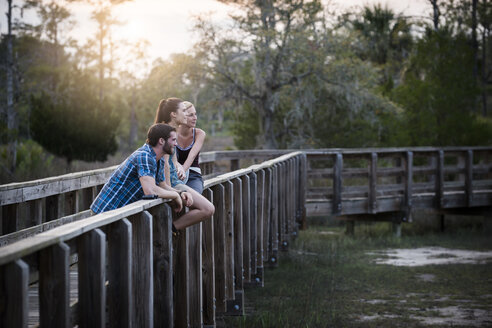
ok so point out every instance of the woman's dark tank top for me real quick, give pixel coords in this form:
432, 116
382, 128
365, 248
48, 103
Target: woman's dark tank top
182, 153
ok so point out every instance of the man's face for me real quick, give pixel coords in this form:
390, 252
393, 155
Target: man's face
168, 147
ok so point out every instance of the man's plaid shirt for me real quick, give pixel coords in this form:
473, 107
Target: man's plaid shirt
124, 185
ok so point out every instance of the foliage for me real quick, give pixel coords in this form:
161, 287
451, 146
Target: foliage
76, 128
439, 94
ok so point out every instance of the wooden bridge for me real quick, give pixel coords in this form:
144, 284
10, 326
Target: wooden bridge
61, 267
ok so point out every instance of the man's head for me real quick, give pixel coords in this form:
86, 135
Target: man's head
163, 134
171, 109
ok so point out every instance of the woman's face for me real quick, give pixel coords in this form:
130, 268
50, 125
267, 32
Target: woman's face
180, 114
191, 117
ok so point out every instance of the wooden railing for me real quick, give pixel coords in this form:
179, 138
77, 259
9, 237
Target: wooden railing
124, 259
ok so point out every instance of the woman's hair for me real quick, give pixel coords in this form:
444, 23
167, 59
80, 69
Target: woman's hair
166, 107
157, 131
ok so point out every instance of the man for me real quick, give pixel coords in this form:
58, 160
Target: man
142, 174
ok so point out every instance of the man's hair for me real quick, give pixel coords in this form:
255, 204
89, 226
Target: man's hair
166, 107
157, 131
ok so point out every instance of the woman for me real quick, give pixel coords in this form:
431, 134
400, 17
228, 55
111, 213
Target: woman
190, 142
172, 111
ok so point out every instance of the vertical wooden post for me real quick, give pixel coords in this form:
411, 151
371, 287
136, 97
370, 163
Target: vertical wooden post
408, 180
14, 280
142, 270
267, 215
469, 177
282, 200
182, 280
260, 199
253, 221
120, 291
92, 279
10, 218
54, 286
337, 184
229, 240
208, 266
373, 178
274, 236
439, 188
195, 272
246, 193
234, 164
36, 212
163, 266
303, 190
71, 203
236, 307
219, 247
54, 207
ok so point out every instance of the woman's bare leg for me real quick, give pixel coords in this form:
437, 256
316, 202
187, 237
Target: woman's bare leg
201, 210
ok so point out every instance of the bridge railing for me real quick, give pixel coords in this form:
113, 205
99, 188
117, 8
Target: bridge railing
373, 181
124, 259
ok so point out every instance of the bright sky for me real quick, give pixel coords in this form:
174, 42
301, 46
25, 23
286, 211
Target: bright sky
167, 24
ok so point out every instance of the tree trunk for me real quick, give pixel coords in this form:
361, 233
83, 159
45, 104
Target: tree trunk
474, 40
12, 123
269, 141
133, 121
435, 14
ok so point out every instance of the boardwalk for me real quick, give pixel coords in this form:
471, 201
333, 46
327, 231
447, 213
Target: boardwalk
123, 269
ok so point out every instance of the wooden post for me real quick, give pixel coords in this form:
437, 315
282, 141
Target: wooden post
469, 177
234, 164
229, 240
274, 236
282, 200
71, 203
54, 207
14, 279
10, 218
195, 273
236, 306
337, 184
163, 269
142, 270
208, 266
182, 280
54, 286
408, 181
260, 199
120, 291
267, 216
246, 193
92, 279
220, 248
439, 188
302, 190
36, 211
373, 178
253, 221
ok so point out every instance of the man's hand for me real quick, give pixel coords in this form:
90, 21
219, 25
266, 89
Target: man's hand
178, 203
187, 198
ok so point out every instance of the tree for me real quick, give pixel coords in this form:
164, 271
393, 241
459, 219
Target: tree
274, 46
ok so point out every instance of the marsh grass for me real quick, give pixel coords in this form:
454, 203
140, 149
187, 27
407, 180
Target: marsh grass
327, 279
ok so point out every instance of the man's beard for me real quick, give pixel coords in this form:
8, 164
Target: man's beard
167, 150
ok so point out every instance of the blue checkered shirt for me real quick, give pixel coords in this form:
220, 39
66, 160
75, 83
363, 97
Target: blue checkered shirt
124, 185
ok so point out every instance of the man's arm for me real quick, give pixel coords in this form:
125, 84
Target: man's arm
150, 188
183, 192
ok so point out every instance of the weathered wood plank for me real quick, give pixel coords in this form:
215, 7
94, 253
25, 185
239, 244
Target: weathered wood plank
120, 287
274, 236
54, 286
208, 266
238, 233
142, 270
92, 277
469, 177
246, 196
253, 219
408, 182
260, 200
267, 215
439, 186
373, 177
163, 270
14, 279
229, 239
182, 280
337, 184
219, 247
196, 278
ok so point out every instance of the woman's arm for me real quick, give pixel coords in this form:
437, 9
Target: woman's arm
197, 146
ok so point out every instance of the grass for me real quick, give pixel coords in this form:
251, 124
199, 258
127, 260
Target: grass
327, 279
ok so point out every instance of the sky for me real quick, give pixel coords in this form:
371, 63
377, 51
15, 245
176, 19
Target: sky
167, 24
